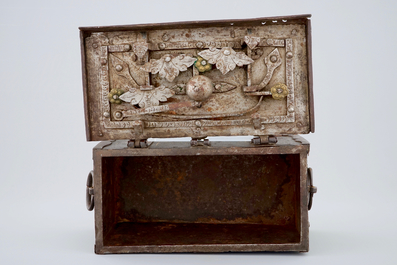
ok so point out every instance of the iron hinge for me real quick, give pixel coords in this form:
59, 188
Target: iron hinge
264, 139
200, 142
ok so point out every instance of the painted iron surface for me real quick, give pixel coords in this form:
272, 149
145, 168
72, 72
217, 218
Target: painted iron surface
132, 73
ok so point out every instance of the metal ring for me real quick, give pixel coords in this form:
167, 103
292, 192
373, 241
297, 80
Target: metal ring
90, 191
311, 189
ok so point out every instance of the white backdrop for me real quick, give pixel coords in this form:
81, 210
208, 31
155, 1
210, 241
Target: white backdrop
44, 157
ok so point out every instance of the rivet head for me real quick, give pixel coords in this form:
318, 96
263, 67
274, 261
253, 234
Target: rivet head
289, 55
106, 114
104, 61
291, 109
226, 52
280, 90
119, 68
273, 58
115, 97
117, 115
200, 44
203, 62
127, 47
168, 59
162, 46
198, 123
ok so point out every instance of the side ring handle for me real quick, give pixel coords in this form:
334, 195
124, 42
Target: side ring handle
312, 189
90, 191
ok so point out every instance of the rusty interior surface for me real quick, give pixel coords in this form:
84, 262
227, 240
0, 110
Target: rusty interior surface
211, 199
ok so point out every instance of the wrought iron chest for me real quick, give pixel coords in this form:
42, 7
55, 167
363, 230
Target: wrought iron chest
199, 79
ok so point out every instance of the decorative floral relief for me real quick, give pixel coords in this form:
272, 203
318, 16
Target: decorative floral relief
168, 66
114, 96
146, 97
225, 59
279, 91
202, 65
251, 41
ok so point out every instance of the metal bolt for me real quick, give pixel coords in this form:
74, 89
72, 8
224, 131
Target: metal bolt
203, 62
167, 59
117, 115
104, 61
106, 114
114, 97
198, 123
289, 55
162, 46
291, 109
226, 52
119, 68
273, 58
280, 90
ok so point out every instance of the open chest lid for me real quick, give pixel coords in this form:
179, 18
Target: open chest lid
197, 79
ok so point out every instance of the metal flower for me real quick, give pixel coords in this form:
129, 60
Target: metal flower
147, 96
225, 59
114, 96
202, 65
168, 66
279, 91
